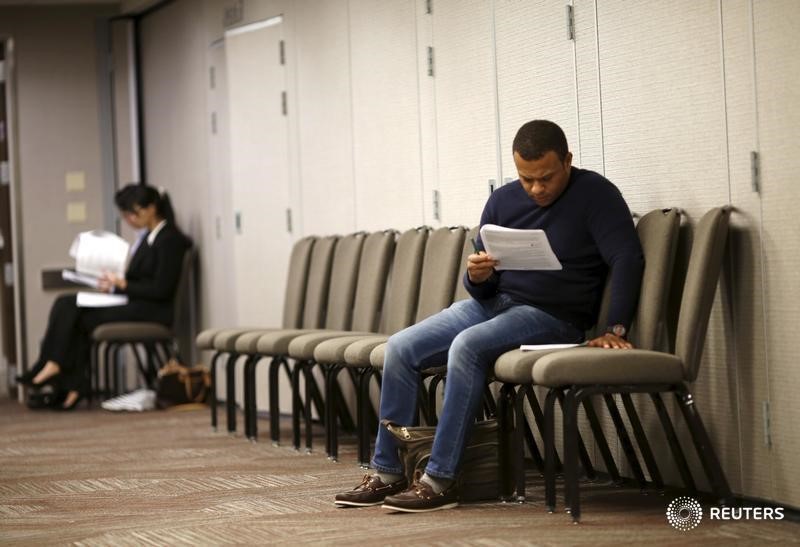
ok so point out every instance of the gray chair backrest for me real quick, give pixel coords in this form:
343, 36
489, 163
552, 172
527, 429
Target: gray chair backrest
400, 302
373, 271
658, 234
319, 277
702, 275
461, 291
184, 306
344, 278
439, 270
295, 296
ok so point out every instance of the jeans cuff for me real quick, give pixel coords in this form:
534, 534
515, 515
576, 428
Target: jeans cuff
384, 469
439, 474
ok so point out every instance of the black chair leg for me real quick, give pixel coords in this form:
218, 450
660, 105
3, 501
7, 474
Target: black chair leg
571, 484
109, 349
625, 440
511, 454
702, 443
550, 450
674, 444
274, 403
641, 440
248, 383
586, 462
297, 403
602, 443
212, 400
364, 410
230, 391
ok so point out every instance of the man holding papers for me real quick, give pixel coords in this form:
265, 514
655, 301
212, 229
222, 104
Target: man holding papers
587, 225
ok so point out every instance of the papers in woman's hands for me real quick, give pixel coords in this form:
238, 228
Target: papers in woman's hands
519, 249
97, 252
100, 300
83, 279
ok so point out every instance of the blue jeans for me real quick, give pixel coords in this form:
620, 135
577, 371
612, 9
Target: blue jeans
470, 335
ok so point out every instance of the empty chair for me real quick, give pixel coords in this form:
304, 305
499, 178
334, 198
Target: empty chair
293, 306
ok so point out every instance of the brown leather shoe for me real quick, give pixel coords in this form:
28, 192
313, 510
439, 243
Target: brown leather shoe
420, 498
371, 491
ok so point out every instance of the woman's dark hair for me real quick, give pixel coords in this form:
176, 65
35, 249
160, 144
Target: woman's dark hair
141, 195
538, 137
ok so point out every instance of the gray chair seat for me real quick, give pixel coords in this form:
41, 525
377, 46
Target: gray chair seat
225, 340
377, 355
332, 351
131, 332
276, 342
205, 340
248, 342
303, 346
515, 366
358, 353
598, 366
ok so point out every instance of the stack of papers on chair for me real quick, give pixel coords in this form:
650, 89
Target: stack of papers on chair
537, 347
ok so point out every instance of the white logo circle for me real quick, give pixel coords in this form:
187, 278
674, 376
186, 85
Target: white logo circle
684, 513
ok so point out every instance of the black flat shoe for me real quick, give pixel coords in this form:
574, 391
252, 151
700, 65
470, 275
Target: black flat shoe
27, 379
73, 406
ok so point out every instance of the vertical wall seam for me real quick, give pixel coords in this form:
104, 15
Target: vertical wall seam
577, 95
498, 138
599, 89
352, 117
420, 79
757, 144
731, 255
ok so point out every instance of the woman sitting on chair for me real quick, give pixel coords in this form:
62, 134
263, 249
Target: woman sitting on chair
150, 282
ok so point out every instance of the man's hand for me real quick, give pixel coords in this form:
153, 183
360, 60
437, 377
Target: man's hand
480, 267
609, 340
108, 282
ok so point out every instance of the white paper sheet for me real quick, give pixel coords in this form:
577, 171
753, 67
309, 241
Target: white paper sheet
519, 249
100, 300
537, 347
83, 279
97, 252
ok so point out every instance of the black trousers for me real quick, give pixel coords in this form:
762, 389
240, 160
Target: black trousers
67, 340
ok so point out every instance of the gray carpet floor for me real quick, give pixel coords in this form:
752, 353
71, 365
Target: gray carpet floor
91, 477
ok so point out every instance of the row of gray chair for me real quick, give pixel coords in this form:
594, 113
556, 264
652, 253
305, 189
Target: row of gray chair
346, 295
356, 289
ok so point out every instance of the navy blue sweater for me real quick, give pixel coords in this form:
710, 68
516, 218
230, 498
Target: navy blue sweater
590, 230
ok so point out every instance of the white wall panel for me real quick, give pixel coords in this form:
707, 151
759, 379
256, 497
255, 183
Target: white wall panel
535, 72
589, 148
259, 173
427, 114
219, 309
386, 123
325, 117
777, 54
465, 107
744, 277
662, 108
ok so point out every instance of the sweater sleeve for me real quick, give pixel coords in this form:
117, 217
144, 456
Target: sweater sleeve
169, 253
487, 289
611, 226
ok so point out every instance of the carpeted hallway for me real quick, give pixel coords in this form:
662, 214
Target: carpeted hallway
92, 477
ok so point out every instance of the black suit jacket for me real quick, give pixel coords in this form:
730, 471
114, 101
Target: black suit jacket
153, 274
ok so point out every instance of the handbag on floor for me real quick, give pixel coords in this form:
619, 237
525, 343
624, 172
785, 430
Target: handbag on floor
485, 466
181, 385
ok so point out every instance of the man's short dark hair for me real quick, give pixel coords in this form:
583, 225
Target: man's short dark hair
538, 137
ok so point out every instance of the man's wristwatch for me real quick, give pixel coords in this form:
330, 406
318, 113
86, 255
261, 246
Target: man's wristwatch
617, 330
